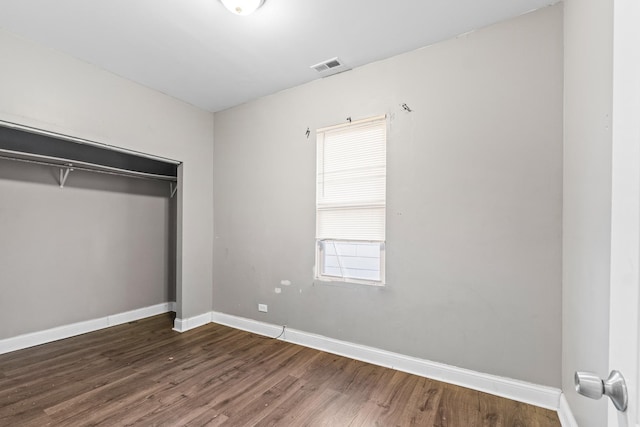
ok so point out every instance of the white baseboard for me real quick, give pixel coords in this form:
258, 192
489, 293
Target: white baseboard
140, 313
542, 396
183, 325
54, 334
250, 325
565, 414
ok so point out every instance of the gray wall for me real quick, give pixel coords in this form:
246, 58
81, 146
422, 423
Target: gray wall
587, 199
100, 246
50, 90
474, 203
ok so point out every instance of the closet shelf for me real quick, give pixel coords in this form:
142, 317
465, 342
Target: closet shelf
25, 144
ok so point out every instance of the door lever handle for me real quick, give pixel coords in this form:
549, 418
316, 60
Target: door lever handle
590, 385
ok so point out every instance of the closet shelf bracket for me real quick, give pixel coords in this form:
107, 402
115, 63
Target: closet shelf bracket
173, 189
64, 174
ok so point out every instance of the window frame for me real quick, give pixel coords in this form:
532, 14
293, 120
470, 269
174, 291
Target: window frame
320, 243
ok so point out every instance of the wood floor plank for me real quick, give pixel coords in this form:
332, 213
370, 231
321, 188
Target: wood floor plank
106, 402
261, 406
145, 374
458, 407
421, 407
494, 412
387, 407
362, 386
311, 411
295, 409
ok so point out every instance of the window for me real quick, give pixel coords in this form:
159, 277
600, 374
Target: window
351, 201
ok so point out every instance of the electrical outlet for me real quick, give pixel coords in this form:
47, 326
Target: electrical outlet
262, 308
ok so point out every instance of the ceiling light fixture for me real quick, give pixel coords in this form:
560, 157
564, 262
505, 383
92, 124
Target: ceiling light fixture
242, 7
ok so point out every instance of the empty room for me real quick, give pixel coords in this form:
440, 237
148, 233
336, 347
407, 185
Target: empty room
301, 213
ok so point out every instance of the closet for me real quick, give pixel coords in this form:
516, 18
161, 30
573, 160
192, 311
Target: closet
87, 230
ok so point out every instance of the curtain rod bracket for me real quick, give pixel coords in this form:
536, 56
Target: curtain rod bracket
406, 108
64, 174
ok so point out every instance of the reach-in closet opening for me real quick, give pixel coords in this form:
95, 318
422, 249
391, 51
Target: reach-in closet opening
104, 244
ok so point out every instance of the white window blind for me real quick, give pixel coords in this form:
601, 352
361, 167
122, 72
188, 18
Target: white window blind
351, 181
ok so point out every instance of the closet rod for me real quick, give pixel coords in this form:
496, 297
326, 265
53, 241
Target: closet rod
76, 165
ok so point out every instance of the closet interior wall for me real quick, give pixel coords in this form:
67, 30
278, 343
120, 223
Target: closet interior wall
103, 244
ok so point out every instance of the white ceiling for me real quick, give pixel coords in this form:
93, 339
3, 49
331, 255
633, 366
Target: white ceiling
197, 51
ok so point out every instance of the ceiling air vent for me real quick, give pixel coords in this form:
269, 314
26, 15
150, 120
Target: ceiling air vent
329, 64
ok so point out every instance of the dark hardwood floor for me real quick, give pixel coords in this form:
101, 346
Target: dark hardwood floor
143, 373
